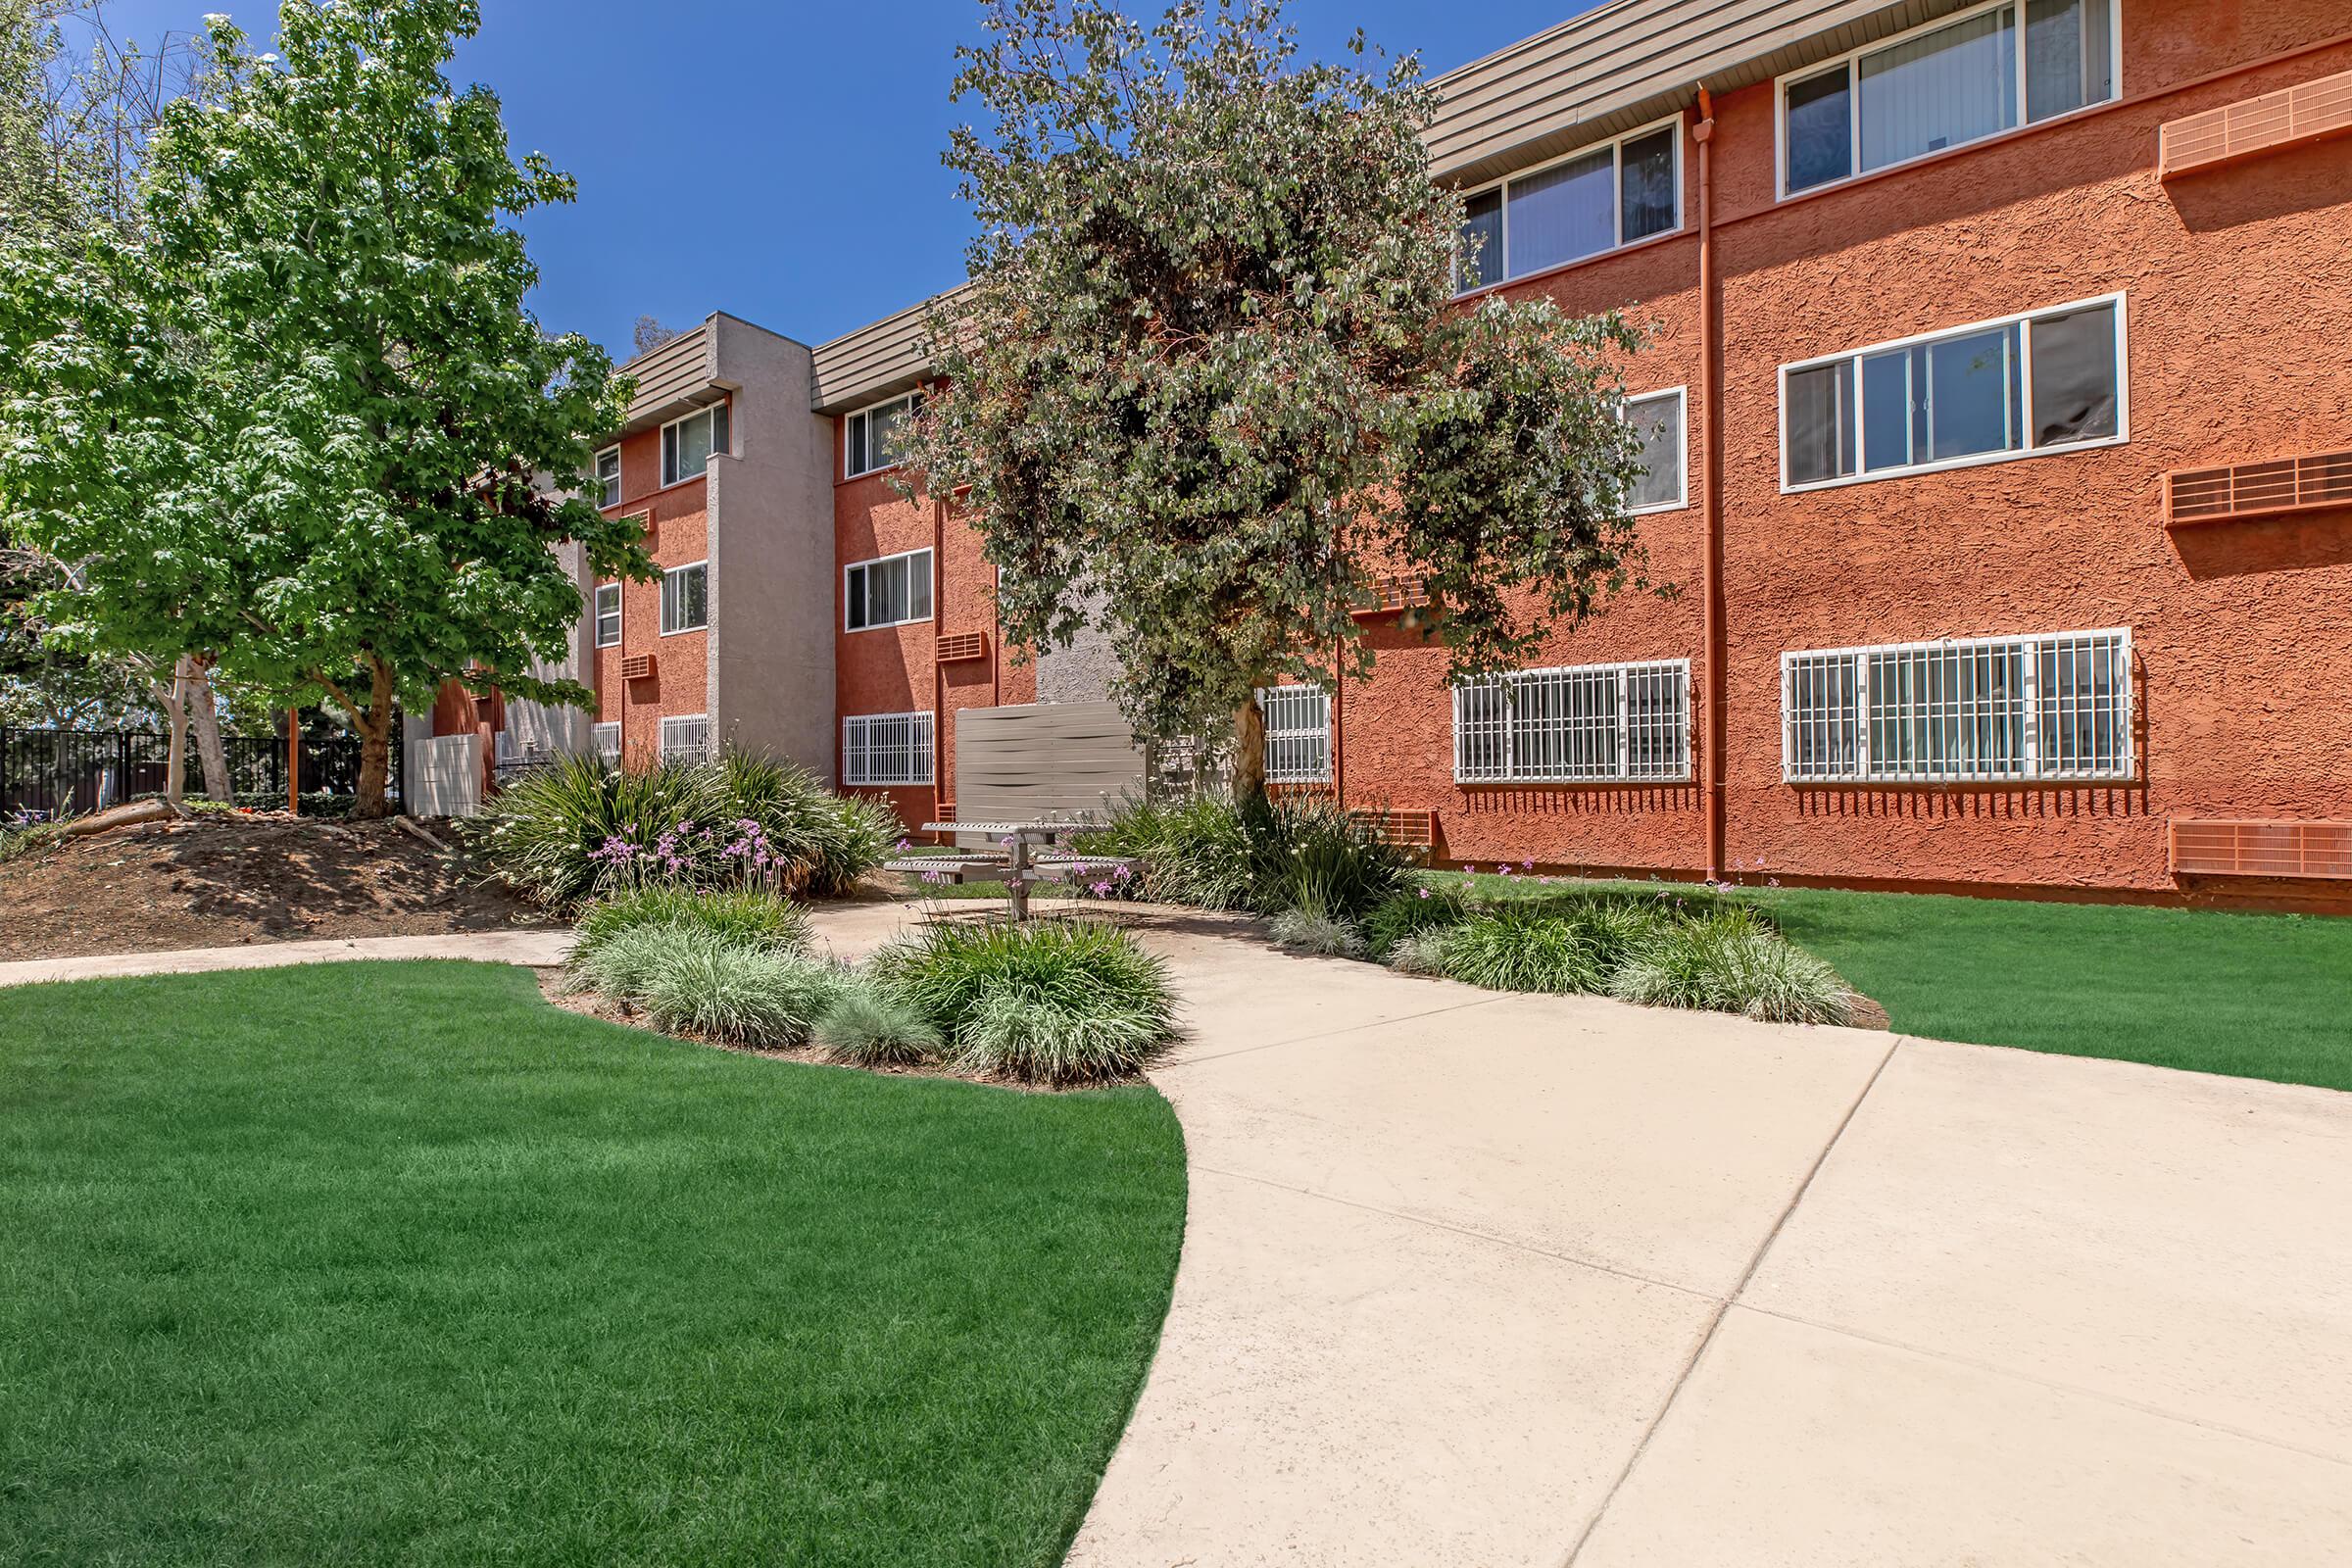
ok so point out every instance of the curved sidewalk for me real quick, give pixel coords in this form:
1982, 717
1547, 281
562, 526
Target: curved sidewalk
1485, 1280
539, 949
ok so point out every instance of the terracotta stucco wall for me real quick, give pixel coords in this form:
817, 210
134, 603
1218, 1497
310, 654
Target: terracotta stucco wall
2235, 282
680, 684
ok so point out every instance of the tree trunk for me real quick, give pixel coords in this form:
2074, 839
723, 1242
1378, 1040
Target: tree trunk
204, 712
175, 762
1249, 755
375, 746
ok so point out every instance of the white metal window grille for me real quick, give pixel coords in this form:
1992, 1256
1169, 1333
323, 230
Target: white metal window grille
870, 436
1298, 734
608, 614
1985, 708
686, 598
1590, 724
607, 477
686, 738
886, 749
605, 739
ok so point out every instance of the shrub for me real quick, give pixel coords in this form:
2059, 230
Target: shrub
747, 918
1057, 1040
574, 828
1292, 853
1310, 931
1056, 1001
1192, 852
1409, 914
1509, 949
1733, 961
696, 982
1421, 953
865, 1026
621, 966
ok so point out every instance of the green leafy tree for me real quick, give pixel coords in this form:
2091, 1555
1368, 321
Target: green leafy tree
1209, 378
303, 426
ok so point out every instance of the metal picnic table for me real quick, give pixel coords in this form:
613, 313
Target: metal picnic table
1011, 860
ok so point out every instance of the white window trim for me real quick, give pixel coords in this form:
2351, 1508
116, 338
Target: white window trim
926, 754
596, 466
1624, 671
599, 733
2123, 396
663, 751
669, 572
883, 561
595, 614
1852, 63
661, 444
866, 414
2126, 769
1618, 240
1682, 479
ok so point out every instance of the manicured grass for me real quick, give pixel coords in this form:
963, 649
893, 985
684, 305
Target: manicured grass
394, 1263
2257, 996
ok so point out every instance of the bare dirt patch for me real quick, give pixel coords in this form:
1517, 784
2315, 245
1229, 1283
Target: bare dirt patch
220, 879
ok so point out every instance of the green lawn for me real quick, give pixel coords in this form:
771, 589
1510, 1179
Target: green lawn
394, 1263
2259, 996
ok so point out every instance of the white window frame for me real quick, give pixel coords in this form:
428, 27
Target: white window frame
671, 573
607, 491
673, 750
604, 739
1850, 63
866, 414
859, 749
1289, 729
1623, 678
1977, 460
1681, 420
1617, 239
2031, 767
597, 613
708, 411
928, 572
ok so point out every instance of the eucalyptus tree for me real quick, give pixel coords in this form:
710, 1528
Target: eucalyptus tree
1211, 379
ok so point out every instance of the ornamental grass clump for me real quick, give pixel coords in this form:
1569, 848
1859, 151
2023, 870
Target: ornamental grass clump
1732, 961
703, 985
1050, 1001
1419, 952
1316, 934
1509, 949
749, 917
1402, 915
1191, 852
865, 1026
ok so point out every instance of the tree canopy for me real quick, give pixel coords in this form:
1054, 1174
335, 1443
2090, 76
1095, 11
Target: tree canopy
1209, 374
301, 423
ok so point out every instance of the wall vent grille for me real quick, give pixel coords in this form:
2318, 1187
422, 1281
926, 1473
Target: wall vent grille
955, 647
2220, 847
2259, 489
637, 666
2305, 112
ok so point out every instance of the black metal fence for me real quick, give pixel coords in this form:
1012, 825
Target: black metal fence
52, 772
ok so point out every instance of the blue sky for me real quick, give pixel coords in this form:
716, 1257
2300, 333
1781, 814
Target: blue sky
819, 229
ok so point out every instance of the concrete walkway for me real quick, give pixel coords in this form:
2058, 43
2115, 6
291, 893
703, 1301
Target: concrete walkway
537, 949
1474, 1278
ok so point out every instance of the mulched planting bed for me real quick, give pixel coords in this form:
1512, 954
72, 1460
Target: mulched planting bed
221, 878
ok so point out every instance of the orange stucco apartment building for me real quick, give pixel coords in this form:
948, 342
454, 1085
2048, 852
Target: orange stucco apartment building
2000, 422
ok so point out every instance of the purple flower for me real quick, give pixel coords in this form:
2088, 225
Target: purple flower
1527, 865
1122, 873
1101, 890
1425, 892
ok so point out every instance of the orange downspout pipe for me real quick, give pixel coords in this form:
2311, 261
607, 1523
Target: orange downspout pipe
1714, 706
939, 674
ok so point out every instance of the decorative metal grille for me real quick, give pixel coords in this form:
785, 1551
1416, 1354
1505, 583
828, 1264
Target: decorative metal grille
686, 739
1298, 734
605, 739
1985, 708
1588, 723
886, 749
